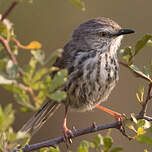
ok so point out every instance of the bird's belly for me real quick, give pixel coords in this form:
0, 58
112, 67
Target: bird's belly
85, 93
92, 82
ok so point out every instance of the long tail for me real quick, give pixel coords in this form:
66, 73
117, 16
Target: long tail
40, 117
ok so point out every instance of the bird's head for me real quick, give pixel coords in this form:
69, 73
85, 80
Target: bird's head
99, 34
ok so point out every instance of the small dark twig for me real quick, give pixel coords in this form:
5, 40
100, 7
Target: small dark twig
144, 105
11, 55
7, 12
76, 133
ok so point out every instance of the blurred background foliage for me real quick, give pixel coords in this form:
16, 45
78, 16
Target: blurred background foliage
51, 23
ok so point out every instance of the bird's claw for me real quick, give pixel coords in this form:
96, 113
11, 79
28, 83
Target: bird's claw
119, 117
66, 133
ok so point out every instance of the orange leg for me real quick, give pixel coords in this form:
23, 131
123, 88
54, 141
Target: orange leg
116, 115
65, 129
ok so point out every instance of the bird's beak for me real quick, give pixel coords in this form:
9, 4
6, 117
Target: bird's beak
123, 32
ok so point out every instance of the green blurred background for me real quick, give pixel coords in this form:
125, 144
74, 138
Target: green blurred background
51, 22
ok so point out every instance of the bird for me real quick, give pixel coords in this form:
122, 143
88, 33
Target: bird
90, 58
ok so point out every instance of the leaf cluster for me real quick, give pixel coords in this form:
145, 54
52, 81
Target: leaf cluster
30, 85
128, 55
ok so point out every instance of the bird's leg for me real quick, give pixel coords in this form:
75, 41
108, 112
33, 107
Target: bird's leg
66, 131
117, 116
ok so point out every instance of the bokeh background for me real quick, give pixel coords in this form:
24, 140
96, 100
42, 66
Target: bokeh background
51, 23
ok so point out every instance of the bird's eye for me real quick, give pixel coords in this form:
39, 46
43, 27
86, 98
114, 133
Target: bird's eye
103, 34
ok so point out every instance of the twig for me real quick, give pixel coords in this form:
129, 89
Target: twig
8, 50
76, 133
144, 105
7, 12
137, 74
149, 94
29, 90
18, 43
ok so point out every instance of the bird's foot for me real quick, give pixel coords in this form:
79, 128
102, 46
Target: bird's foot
119, 117
66, 133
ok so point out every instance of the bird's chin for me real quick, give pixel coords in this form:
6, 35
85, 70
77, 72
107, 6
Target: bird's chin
116, 43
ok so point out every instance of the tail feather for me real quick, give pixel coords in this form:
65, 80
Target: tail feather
40, 117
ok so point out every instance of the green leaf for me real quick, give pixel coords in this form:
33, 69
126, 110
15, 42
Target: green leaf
12, 69
44, 149
52, 69
146, 71
2, 65
130, 124
140, 123
150, 42
6, 117
98, 141
43, 87
116, 149
3, 30
39, 56
144, 139
39, 74
141, 43
21, 96
25, 109
141, 89
57, 96
84, 146
37, 85
143, 123
133, 118
5, 80
29, 71
126, 54
79, 3
55, 149
58, 80
107, 143
137, 70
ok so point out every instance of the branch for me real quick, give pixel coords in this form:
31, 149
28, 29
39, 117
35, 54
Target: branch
144, 105
149, 94
76, 133
29, 90
137, 74
93, 128
18, 43
7, 12
11, 55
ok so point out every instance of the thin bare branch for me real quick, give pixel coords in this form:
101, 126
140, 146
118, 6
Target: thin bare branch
18, 43
144, 105
7, 12
11, 55
29, 90
76, 133
137, 74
